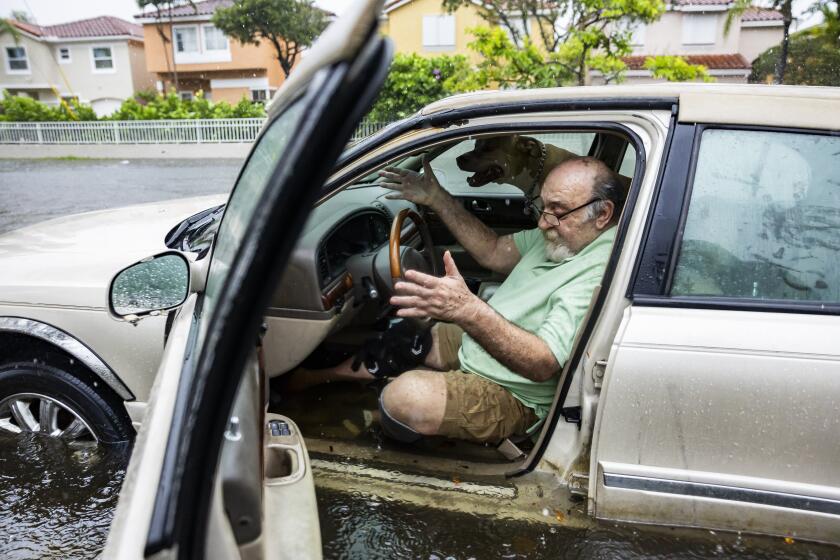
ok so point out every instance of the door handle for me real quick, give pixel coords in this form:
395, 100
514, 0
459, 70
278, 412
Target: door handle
479, 206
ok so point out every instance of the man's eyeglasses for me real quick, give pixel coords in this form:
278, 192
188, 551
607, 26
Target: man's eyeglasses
551, 218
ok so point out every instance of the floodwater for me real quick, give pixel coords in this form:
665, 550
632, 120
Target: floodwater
56, 501
35, 190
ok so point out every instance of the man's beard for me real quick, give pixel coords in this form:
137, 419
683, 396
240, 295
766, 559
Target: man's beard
556, 249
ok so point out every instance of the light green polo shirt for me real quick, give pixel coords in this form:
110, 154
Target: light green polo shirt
546, 298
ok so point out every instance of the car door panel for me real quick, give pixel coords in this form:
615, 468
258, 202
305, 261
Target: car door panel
722, 405
173, 511
290, 507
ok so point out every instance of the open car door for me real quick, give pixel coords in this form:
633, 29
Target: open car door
212, 476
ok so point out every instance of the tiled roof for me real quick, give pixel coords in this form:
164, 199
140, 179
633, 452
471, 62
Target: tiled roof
700, 2
30, 28
103, 26
206, 8
761, 14
710, 61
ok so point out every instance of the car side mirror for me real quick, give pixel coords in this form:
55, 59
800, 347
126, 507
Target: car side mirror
149, 287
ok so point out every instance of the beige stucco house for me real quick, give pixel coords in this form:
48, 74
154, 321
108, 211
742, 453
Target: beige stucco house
695, 30
205, 58
100, 61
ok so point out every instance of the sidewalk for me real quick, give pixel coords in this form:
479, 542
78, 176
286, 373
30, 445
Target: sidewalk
126, 151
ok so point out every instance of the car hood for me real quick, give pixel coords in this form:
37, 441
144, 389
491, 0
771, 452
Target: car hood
70, 261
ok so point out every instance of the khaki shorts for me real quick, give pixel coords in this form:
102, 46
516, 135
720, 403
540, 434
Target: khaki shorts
477, 409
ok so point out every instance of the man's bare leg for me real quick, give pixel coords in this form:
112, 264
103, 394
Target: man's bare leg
302, 379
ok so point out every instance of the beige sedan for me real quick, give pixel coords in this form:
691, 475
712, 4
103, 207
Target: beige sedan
702, 389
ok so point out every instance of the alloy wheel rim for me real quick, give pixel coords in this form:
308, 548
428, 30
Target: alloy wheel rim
35, 413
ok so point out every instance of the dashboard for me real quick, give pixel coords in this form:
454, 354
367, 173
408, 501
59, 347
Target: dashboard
315, 283
364, 232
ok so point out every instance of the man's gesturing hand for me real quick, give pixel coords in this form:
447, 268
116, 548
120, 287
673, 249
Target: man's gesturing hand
419, 188
445, 299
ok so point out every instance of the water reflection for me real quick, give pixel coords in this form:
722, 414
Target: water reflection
56, 500
359, 525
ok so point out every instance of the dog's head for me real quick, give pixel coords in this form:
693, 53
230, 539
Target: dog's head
499, 159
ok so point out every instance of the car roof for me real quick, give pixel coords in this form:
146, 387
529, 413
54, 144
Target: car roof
737, 104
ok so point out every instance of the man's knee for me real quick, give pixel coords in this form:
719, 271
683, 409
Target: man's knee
416, 400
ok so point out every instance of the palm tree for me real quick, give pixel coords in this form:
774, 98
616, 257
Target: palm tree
783, 6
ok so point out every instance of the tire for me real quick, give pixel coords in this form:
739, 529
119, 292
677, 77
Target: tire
74, 410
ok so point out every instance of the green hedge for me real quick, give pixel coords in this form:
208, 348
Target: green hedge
143, 106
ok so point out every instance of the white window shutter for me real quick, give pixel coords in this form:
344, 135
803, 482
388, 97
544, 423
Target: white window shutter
430, 34
447, 30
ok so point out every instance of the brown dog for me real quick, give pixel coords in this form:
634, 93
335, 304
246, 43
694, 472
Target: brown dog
513, 160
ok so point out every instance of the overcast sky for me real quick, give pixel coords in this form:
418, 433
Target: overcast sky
47, 12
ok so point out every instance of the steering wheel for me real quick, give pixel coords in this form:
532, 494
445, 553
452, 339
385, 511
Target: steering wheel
402, 258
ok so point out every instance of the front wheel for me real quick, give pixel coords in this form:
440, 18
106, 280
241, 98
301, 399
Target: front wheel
43, 399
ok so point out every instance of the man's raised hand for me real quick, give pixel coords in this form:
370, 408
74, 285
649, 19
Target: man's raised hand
445, 299
419, 188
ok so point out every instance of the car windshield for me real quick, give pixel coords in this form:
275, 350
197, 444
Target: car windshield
195, 234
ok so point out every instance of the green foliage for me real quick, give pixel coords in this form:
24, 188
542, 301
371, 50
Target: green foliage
595, 36
16, 108
813, 59
503, 64
6, 26
676, 69
414, 81
144, 106
289, 25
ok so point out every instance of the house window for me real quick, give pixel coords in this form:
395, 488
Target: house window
439, 31
637, 39
64, 55
103, 59
16, 60
259, 95
214, 39
185, 95
699, 29
186, 39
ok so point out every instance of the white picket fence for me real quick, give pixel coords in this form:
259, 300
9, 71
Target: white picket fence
187, 131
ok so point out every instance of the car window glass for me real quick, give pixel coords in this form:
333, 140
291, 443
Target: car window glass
247, 193
454, 179
628, 164
764, 218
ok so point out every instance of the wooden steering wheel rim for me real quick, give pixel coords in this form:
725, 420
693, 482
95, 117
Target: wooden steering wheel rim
396, 238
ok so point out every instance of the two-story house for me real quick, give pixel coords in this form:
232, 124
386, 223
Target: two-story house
205, 58
425, 28
99, 61
691, 28
695, 29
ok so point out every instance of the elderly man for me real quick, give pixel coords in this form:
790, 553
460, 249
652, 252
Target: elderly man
498, 362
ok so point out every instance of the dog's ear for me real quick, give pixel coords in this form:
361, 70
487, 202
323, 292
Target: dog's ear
528, 145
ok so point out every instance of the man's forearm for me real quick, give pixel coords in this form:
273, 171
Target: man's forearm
479, 240
517, 349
